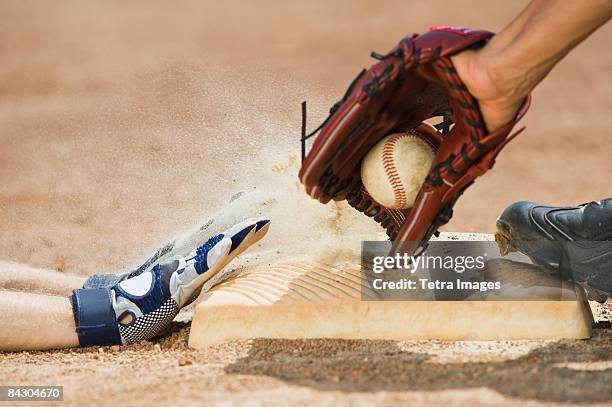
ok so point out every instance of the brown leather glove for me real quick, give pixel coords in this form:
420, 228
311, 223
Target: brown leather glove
415, 81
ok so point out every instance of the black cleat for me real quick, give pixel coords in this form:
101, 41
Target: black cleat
573, 241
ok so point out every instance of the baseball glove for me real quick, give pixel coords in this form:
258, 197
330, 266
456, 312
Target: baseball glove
414, 82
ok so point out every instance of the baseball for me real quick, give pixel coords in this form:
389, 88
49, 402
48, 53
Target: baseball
395, 168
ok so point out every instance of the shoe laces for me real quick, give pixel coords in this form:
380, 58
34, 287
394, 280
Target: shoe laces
202, 253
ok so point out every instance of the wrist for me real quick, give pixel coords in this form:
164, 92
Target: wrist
498, 89
510, 82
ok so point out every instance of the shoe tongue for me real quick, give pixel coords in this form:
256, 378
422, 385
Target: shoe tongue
166, 270
591, 221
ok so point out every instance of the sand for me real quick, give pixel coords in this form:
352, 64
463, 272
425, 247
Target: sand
326, 372
124, 124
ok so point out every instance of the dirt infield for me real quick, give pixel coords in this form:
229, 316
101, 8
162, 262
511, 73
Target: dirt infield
124, 123
325, 372
145, 114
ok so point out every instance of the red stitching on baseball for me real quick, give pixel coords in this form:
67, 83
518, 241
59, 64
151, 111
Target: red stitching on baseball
391, 171
399, 191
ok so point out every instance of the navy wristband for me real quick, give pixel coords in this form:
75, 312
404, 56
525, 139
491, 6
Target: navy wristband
95, 319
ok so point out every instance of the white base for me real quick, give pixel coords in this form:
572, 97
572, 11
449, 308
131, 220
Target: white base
310, 300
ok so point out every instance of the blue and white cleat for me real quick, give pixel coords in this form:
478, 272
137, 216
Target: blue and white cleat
143, 306
240, 237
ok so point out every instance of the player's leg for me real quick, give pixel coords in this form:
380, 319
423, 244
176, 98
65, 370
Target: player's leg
136, 308
501, 74
21, 277
35, 321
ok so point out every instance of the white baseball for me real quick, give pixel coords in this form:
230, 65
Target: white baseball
395, 168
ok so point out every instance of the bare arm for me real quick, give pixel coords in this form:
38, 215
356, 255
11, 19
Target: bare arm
508, 68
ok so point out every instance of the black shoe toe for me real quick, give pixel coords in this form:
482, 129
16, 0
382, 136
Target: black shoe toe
516, 223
